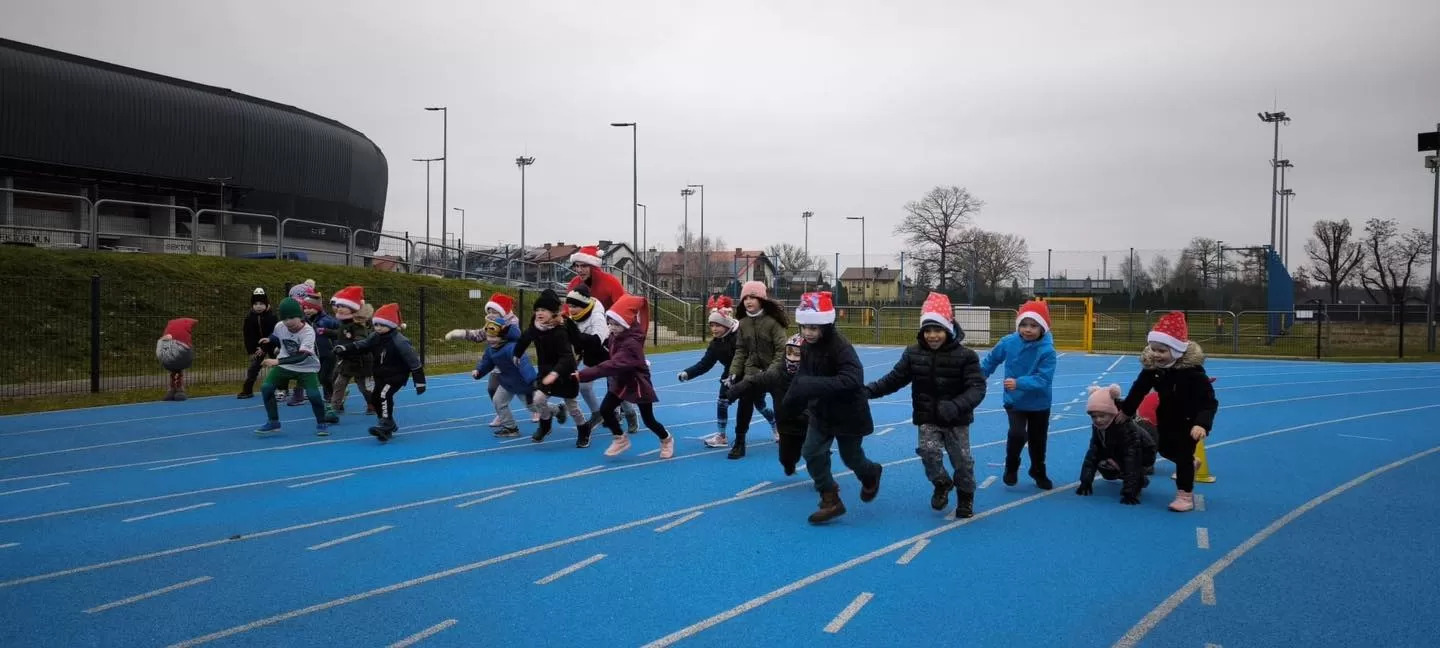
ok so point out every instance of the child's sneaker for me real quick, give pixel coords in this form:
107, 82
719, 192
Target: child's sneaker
1041, 479
1184, 502
507, 432
667, 447
964, 505
559, 413
497, 422
618, 443
941, 497
270, 427
717, 441
322, 429
543, 431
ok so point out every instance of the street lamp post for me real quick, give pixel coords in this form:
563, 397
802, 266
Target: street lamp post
461, 246
704, 254
427, 162
862, 247
1276, 118
634, 181
523, 162
806, 216
444, 174
1283, 223
644, 227
685, 235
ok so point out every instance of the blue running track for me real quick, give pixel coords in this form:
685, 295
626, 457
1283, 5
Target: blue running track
172, 524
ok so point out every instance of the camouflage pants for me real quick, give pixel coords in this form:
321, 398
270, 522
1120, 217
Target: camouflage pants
937, 440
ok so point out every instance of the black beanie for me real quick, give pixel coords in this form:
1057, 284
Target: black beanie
548, 300
579, 296
259, 297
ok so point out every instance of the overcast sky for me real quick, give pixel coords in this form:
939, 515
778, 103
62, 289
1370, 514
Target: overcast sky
1083, 125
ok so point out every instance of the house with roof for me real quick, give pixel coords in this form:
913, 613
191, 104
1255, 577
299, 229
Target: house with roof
687, 274
871, 285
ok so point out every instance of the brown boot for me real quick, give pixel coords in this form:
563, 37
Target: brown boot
830, 508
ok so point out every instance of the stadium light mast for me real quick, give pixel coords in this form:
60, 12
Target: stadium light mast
1275, 118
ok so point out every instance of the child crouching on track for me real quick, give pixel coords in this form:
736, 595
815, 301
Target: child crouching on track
1174, 367
1119, 447
629, 377
395, 362
176, 353
517, 379
790, 422
945, 388
830, 385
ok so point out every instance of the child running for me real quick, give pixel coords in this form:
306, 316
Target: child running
587, 328
1120, 448
555, 364
297, 361
1174, 366
176, 353
721, 350
830, 385
791, 421
945, 388
760, 345
629, 376
349, 305
1029, 358
517, 379
395, 363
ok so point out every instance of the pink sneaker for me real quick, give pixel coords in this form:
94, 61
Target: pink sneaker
618, 444
667, 447
1184, 502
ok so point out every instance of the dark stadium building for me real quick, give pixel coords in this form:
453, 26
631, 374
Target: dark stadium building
99, 156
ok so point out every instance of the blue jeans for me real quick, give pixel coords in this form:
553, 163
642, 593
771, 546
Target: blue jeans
817, 457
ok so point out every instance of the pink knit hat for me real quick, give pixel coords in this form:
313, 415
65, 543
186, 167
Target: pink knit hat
756, 288
1102, 400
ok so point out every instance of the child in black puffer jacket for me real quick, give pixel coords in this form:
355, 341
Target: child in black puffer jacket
1120, 448
791, 422
946, 387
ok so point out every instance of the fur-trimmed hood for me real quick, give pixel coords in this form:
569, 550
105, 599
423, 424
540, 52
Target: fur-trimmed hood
1194, 356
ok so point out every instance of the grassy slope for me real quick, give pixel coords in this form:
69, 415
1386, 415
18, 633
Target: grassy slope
46, 297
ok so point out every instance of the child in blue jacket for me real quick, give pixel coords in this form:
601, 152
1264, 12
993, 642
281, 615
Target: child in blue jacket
517, 375
1029, 358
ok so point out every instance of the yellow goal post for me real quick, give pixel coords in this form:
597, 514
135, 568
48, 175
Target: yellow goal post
1072, 322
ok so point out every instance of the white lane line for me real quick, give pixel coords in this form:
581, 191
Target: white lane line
914, 551
320, 481
9, 545
423, 634
1113, 365
1211, 645
670, 525
515, 440
848, 613
1199, 502
1356, 436
1318, 424
1202, 538
884, 431
353, 536
1207, 590
649, 452
585, 471
1205, 579
176, 510
146, 595
485, 499
34, 488
187, 463
571, 569
988, 481
800, 467
752, 489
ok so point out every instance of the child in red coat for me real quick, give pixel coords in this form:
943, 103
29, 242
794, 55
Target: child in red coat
175, 352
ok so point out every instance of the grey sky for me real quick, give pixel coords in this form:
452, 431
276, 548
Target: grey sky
1084, 125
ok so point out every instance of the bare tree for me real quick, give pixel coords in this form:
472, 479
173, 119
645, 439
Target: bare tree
934, 226
791, 258
1334, 254
1205, 261
696, 265
1390, 259
998, 258
1161, 272
1135, 276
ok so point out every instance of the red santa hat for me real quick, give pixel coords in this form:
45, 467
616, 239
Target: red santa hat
937, 310
815, 309
179, 329
1172, 332
722, 311
588, 255
350, 297
388, 315
1036, 311
629, 311
504, 304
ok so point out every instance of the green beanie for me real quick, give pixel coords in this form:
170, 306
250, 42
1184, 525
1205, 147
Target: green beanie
290, 308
